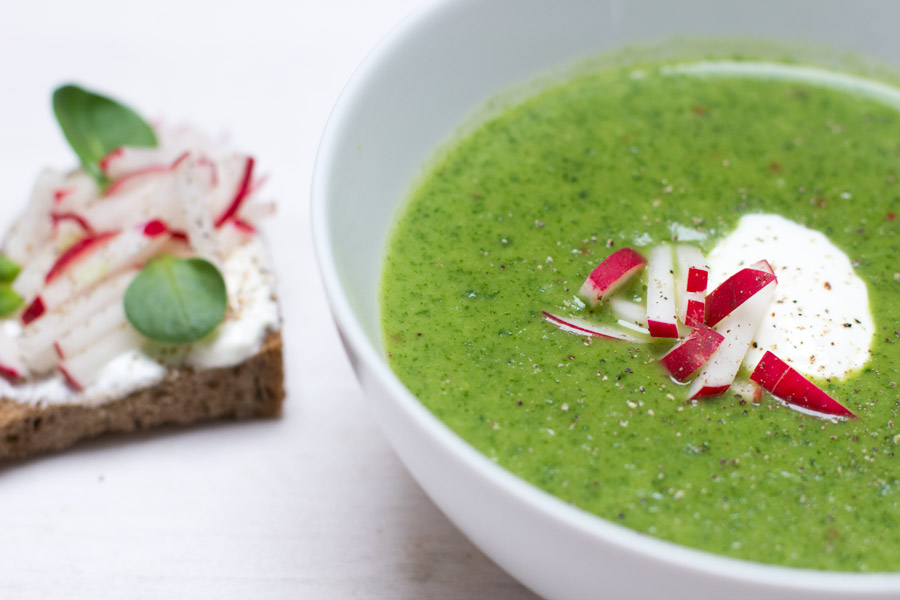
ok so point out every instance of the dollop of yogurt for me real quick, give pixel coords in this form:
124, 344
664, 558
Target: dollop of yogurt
819, 322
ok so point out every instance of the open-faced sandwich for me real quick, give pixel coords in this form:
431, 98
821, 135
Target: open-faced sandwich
134, 290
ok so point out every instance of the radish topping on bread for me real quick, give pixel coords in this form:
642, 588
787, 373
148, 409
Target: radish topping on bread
11, 365
38, 337
616, 270
661, 317
785, 383
692, 353
82, 368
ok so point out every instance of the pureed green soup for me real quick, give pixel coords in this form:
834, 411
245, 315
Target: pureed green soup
513, 218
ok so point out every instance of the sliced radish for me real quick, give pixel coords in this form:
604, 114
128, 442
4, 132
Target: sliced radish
661, 319
626, 310
86, 333
38, 336
150, 196
611, 274
78, 251
786, 383
695, 313
136, 198
690, 284
240, 194
135, 179
253, 212
230, 236
61, 217
581, 327
79, 191
747, 389
738, 329
83, 368
31, 279
126, 160
692, 353
33, 229
11, 365
127, 249
735, 291
192, 184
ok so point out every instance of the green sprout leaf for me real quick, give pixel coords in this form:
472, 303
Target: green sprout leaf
9, 270
96, 125
10, 301
176, 300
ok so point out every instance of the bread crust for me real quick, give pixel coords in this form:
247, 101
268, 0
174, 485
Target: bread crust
251, 389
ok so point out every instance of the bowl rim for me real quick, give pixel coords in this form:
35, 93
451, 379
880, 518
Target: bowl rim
565, 515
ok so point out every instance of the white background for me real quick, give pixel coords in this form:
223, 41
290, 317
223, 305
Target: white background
314, 505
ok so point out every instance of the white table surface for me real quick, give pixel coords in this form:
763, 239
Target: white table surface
314, 505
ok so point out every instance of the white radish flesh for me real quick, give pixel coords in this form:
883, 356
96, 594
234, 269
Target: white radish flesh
738, 330
82, 369
38, 337
87, 332
661, 318
626, 310
11, 364
192, 185
30, 233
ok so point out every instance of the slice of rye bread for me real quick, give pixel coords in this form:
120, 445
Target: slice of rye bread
253, 388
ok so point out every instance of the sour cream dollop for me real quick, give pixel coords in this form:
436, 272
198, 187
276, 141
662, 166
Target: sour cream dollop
819, 322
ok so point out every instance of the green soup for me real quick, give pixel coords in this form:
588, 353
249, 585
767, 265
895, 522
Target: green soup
511, 220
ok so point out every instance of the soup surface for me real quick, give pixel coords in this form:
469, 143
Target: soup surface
510, 221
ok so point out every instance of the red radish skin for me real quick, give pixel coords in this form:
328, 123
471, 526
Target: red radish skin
241, 194
695, 313
76, 251
244, 226
60, 194
786, 383
579, 327
697, 280
73, 383
10, 373
75, 218
104, 162
708, 391
738, 329
692, 353
34, 310
119, 184
611, 274
661, 315
733, 292
659, 329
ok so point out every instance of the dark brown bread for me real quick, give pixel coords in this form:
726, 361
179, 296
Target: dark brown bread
254, 388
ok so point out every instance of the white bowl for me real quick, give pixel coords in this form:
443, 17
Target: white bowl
408, 97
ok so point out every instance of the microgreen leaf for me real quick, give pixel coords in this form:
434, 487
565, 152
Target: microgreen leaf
176, 300
96, 125
10, 301
9, 270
